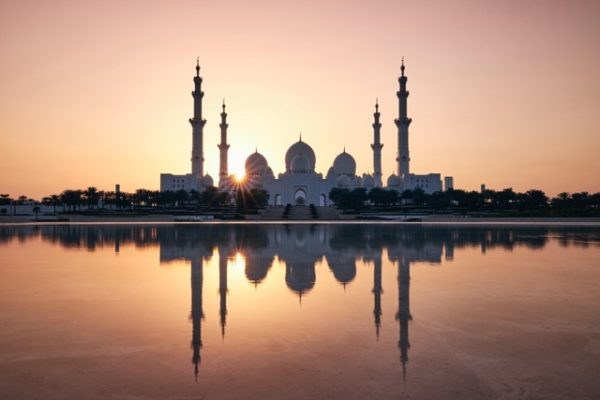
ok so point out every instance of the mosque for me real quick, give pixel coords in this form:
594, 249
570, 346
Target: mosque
300, 184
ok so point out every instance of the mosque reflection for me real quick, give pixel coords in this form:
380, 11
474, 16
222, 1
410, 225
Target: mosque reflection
300, 247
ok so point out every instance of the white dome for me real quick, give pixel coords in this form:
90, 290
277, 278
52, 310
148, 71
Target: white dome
343, 181
393, 181
256, 163
300, 164
300, 149
368, 181
344, 164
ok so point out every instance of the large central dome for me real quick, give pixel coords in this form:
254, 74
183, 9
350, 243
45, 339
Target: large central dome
344, 164
300, 150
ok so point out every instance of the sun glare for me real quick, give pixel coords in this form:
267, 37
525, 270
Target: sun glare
239, 178
239, 262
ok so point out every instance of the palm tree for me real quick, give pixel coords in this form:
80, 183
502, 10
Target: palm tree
55, 202
72, 198
91, 197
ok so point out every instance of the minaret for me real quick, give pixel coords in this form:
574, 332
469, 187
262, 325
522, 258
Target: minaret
403, 315
197, 126
376, 146
377, 291
402, 123
223, 289
223, 148
196, 314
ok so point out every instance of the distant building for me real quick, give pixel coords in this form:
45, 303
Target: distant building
300, 184
448, 183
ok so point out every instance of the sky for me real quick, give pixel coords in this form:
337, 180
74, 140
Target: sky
94, 93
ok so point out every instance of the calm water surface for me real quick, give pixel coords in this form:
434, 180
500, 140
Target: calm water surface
355, 311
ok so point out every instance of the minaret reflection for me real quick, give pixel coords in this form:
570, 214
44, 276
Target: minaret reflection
377, 291
197, 313
223, 290
403, 315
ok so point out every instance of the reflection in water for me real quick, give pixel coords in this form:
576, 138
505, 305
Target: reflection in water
403, 315
377, 291
197, 313
223, 290
300, 247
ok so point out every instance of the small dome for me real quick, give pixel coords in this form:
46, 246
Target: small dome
257, 268
300, 148
393, 181
300, 163
207, 181
368, 181
344, 164
343, 270
300, 278
343, 181
256, 163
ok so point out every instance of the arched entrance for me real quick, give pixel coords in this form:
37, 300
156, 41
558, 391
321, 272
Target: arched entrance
322, 200
278, 200
300, 197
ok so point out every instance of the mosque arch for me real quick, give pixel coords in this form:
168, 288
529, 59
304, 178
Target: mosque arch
278, 201
322, 200
300, 197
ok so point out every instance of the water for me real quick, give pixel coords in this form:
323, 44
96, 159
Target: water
333, 311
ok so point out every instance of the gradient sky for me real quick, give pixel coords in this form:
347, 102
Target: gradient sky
97, 93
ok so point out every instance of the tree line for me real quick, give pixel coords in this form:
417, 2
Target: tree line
456, 199
78, 200
242, 198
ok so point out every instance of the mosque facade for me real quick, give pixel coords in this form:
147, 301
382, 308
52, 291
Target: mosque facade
301, 184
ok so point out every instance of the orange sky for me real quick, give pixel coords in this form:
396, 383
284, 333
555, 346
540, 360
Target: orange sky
98, 93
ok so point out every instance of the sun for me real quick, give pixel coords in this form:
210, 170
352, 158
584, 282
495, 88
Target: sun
239, 178
236, 168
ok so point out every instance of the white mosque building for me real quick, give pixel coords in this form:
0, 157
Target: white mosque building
300, 184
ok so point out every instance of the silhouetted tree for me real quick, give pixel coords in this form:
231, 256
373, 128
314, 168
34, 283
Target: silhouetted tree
348, 199
72, 198
181, 196
418, 197
251, 199
377, 196
533, 199
90, 196
439, 200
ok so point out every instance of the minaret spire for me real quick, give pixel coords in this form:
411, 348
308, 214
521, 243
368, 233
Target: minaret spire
402, 122
223, 149
377, 146
197, 128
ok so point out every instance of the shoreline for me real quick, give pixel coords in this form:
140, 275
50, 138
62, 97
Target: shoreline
425, 220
